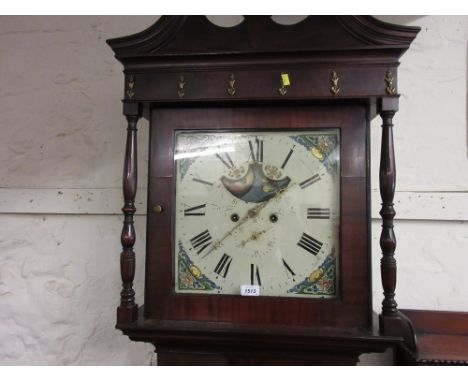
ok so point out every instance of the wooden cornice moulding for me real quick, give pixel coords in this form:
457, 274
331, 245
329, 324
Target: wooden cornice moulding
148, 40
184, 36
372, 31
363, 51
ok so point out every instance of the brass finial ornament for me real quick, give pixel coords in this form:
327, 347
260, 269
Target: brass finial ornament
334, 81
181, 90
130, 84
284, 83
231, 85
389, 81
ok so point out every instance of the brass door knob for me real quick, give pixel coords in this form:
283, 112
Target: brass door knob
157, 208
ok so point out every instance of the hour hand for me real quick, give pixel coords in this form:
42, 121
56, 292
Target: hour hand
254, 236
251, 213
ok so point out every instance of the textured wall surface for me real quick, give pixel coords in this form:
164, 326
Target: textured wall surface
62, 148
61, 153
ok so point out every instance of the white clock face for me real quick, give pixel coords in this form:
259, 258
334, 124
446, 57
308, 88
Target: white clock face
257, 208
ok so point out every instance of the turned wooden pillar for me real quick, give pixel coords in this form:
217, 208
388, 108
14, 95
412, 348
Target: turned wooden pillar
128, 310
391, 321
387, 178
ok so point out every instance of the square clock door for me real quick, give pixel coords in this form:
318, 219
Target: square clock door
264, 216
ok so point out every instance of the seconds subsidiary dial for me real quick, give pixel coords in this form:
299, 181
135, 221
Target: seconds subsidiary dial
257, 208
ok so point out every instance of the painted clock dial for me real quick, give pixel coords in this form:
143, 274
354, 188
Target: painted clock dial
257, 208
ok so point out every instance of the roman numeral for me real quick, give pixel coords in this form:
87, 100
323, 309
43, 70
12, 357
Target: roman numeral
256, 150
287, 158
202, 181
228, 162
254, 275
318, 213
194, 211
288, 268
310, 181
310, 244
223, 265
201, 241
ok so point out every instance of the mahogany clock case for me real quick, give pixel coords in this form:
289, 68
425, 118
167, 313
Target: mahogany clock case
352, 308
338, 72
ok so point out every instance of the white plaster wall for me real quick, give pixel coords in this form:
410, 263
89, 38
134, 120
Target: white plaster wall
61, 150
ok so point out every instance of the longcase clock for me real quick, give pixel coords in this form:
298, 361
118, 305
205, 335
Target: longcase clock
258, 222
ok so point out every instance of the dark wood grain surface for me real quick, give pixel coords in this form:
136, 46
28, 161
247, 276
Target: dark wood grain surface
442, 338
227, 343
439, 321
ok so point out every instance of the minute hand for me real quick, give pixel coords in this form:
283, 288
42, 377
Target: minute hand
250, 214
